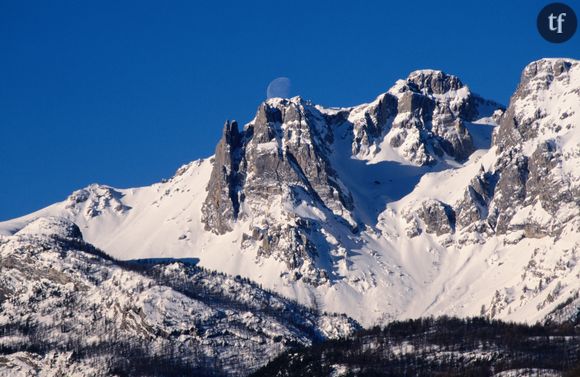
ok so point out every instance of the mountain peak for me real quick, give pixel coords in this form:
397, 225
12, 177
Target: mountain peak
550, 64
430, 81
52, 226
283, 102
544, 104
545, 71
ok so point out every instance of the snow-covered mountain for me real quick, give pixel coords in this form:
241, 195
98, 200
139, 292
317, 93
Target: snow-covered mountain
428, 200
66, 308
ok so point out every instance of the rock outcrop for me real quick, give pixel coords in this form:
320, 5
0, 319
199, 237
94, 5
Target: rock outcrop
276, 175
223, 201
282, 156
422, 117
532, 186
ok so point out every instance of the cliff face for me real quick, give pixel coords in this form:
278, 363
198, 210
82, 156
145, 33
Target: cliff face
223, 202
533, 185
279, 159
423, 118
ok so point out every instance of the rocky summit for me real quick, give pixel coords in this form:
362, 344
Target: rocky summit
285, 155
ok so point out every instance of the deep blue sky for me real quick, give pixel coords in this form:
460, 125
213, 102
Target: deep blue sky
124, 92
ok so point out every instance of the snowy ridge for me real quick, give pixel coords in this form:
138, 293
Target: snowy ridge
426, 201
65, 307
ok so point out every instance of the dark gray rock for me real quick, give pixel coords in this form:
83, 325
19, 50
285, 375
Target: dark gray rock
475, 203
519, 180
416, 103
510, 192
222, 203
437, 106
518, 127
280, 157
438, 217
376, 123
434, 82
296, 155
542, 185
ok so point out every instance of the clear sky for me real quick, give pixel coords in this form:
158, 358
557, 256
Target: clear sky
124, 92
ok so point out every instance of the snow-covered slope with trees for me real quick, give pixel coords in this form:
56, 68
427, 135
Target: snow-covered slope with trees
66, 308
428, 200
438, 347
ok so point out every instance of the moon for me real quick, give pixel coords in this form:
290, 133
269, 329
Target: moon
279, 88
